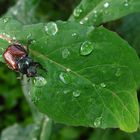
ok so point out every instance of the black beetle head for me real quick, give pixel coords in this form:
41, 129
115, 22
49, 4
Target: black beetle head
31, 71
27, 66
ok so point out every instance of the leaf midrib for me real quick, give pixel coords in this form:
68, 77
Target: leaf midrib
60, 65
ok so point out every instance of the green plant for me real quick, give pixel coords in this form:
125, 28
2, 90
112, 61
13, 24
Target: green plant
93, 74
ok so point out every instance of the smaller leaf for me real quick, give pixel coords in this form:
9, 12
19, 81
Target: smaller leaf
95, 12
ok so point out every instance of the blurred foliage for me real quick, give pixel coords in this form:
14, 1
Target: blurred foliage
11, 99
13, 107
128, 28
33, 11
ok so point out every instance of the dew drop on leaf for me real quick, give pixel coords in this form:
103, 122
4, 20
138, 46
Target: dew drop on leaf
68, 69
76, 93
5, 20
95, 13
15, 12
86, 48
65, 78
74, 34
86, 18
40, 81
97, 122
66, 91
126, 3
118, 73
103, 85
81, 22
93, 85
65, 53
30, 38
77, 12
51, 28
106, 5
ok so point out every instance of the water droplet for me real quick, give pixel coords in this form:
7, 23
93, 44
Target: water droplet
66, 91
2, 49
126, 3
51, 28
30, 38
68, 69
76, 93
95, 12
65, 78
74, 34
106, 5
14, 38
103, 85
33, 41
86, 18
81, 22
86, 48
93, 85
65, 53
5, 20
118, 73
77, 12
15, 12
40, 81
34, 138
97, 122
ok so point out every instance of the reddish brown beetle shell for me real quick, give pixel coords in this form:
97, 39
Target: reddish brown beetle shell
12, 54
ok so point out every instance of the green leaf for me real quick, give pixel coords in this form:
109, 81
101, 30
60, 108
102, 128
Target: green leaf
92, 74
100, 11
130, 30
39, 130
24, 11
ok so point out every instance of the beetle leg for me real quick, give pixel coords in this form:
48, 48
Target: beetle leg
38, 65
20, 77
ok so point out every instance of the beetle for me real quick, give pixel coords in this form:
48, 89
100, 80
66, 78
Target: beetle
17, 58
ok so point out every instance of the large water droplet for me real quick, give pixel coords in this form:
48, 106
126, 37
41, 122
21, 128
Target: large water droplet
65, 53
106, 5
40, 81
65, 78
97, 122
118, 73
76, 93
51, 28
86, 48
103, 85
77, 12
